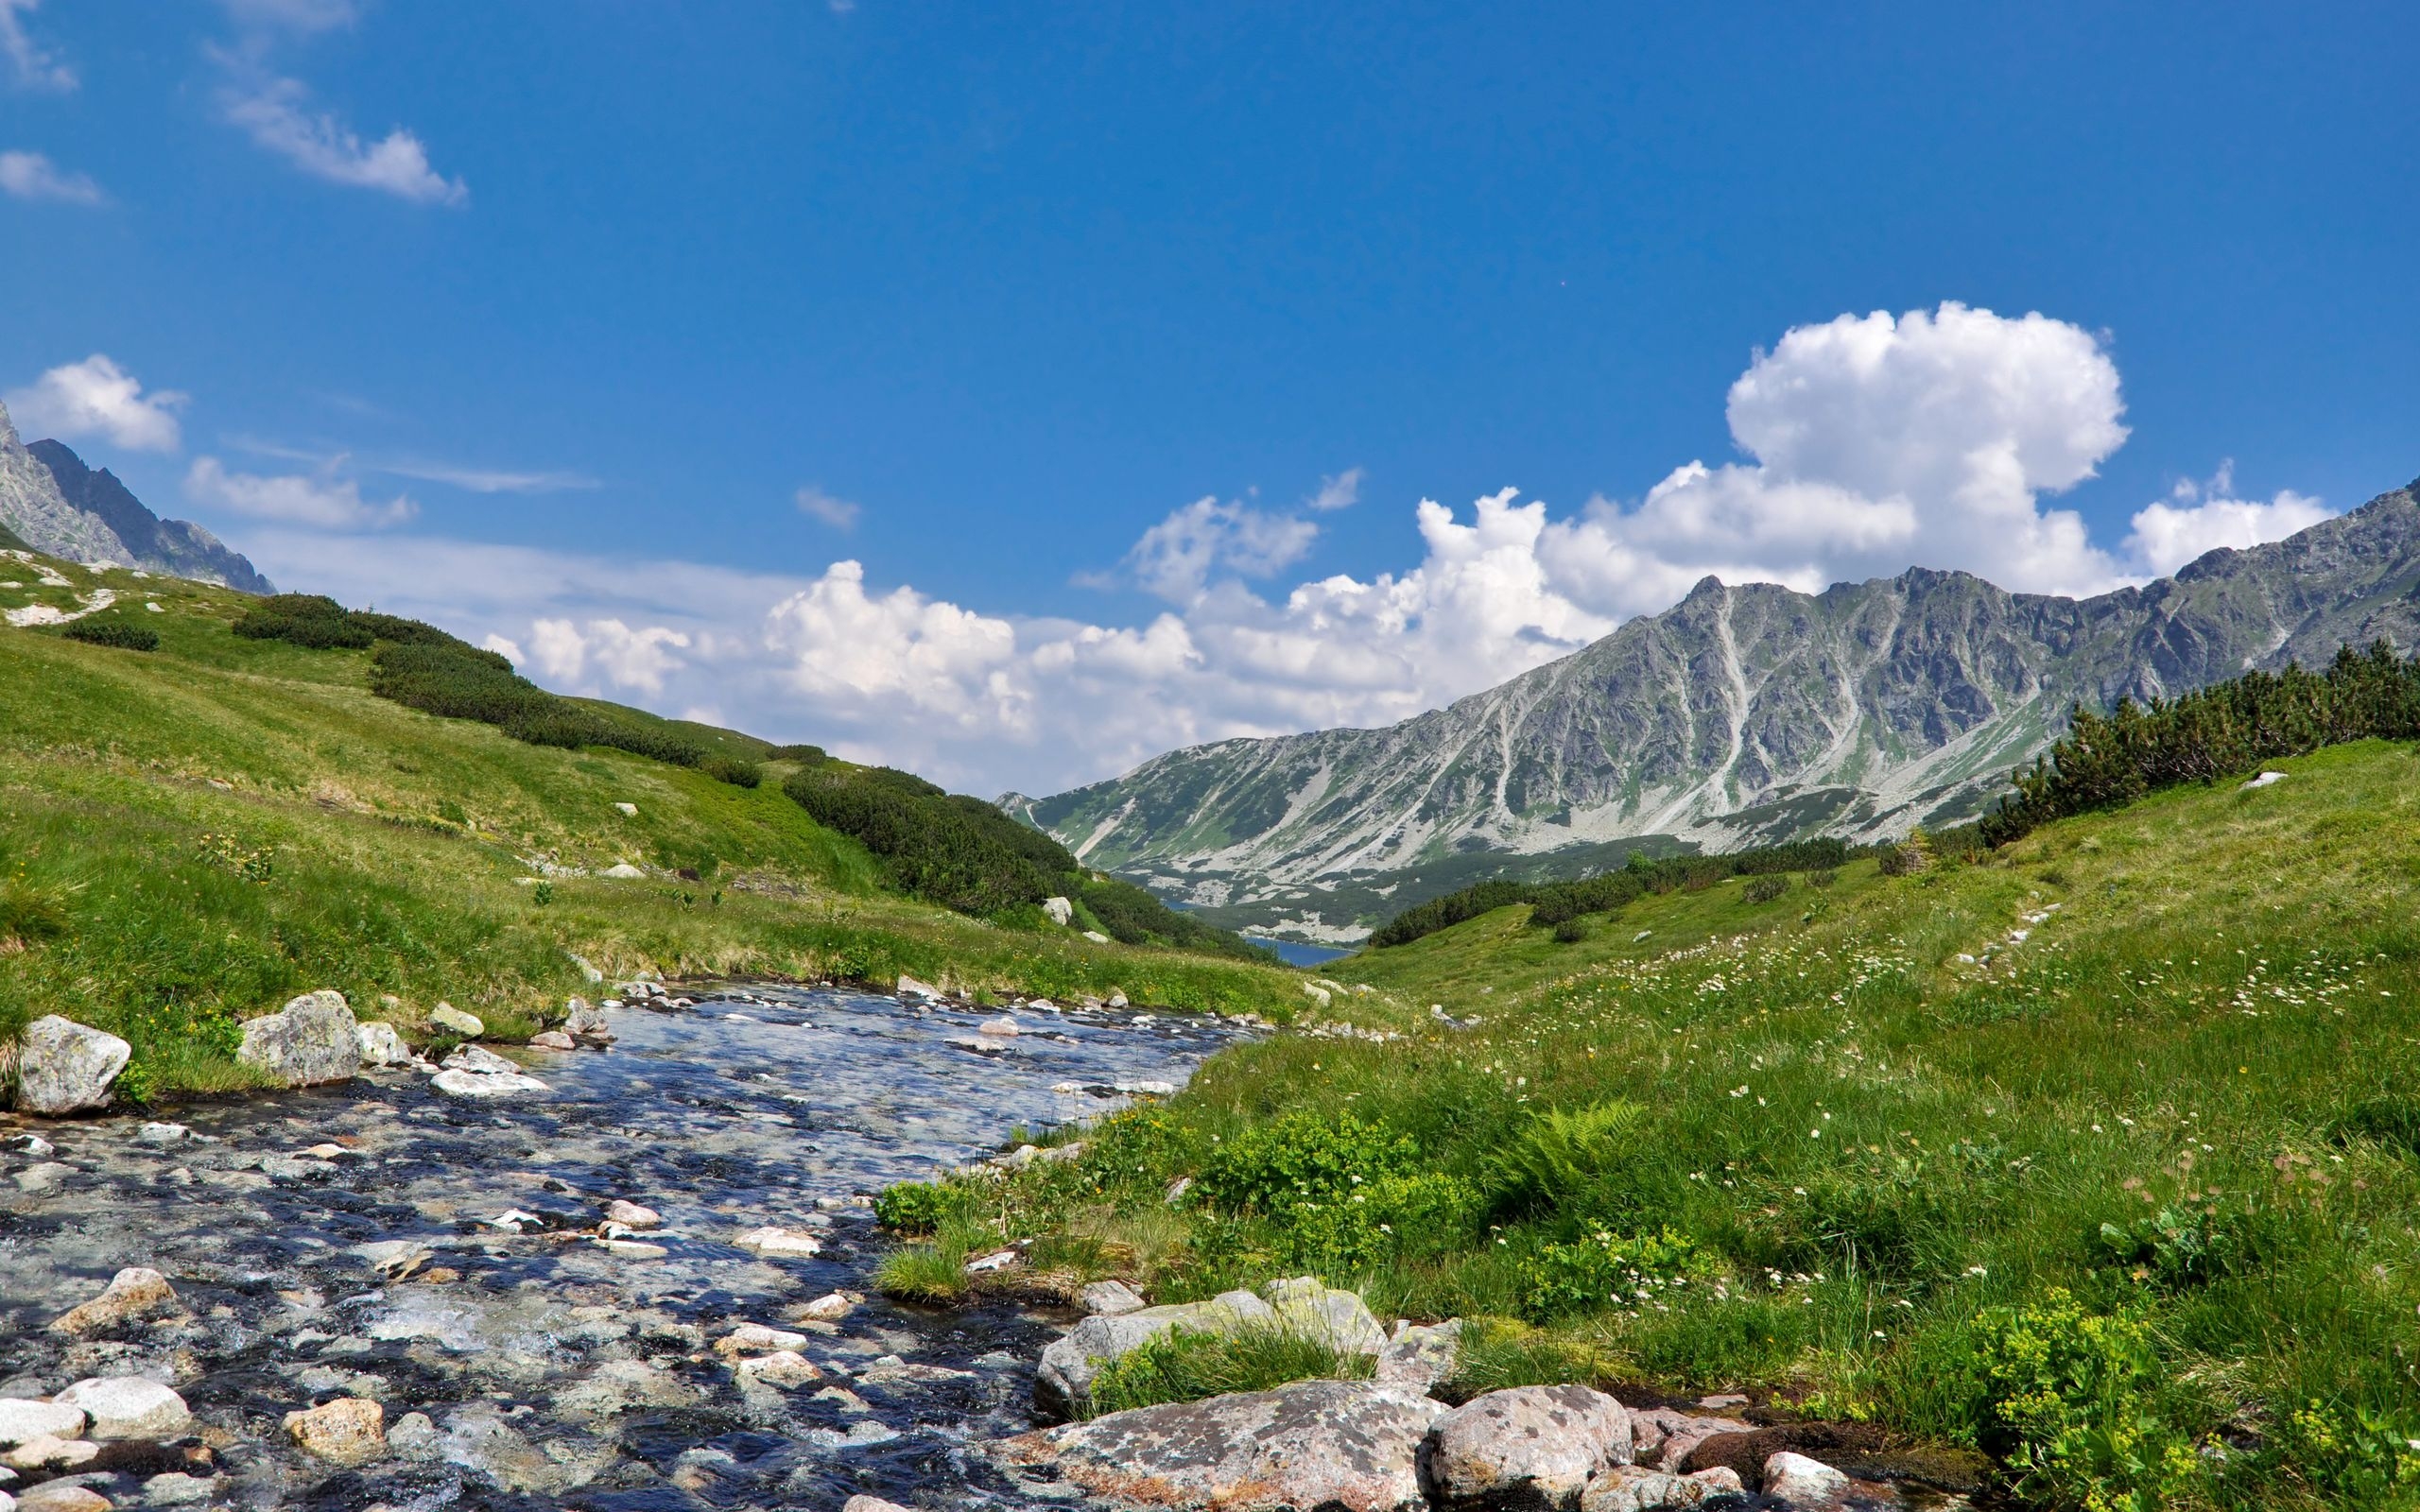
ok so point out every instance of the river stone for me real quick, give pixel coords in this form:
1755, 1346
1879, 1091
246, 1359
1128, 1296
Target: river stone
1417, 1357
786, 1368
380, 1046
552, 1040
1528, 1446
1628, 1488
49, 1452
314, 1038
625, 1212
460, 1083
586, 1023
65, 1067
22, 1420
127, 1407
870, 1504
1112, 1298
177, 1488
1063, 1383
1326, 1444
133, 1293
1331, 1314
1807, 1485
912, 991
771, 1241
62, 1496
446, 1016
755, 1338
1663, 1437
480, 1058
348, 1431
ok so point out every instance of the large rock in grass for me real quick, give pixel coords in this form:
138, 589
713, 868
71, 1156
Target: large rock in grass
1062, 1386
65, 1067
1334, 1445
1526, 1447
314, 1039
1331, 1314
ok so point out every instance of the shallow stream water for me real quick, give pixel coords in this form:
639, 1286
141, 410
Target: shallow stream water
550, 1369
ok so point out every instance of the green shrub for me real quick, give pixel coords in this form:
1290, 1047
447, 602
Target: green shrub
29, 914
1391, 1220
2362, 1457
2178, 1246
1188, 1365
803, 755
2391, 1119
122, 633
2070, 1399
1302, 1158
730, 770
916, 1208
1603, 1269
1764, 889
307, 620
1571, 932
968, 856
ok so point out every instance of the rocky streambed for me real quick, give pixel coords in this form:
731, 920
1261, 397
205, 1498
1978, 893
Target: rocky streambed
381, 1241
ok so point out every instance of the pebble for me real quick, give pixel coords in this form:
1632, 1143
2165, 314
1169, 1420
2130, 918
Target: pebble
552, 1040
33, 1145
755, 1338
21, 1419
870, 1504
176, 1488
136, 1292
786, 1368
481, 1084
161, 1134
771, 1242
1804, 1483
619, 1210
829, 1308
348, 1431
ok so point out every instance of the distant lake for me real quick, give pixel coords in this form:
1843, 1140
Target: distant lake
1297, 955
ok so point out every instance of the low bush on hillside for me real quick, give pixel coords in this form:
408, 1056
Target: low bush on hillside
735, 771
122, 633
1555, 903
2106, 761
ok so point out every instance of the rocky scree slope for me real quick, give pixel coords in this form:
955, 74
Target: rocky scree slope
53, 503
1744, 714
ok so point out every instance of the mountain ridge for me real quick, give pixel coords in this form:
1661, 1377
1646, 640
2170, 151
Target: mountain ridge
1745, 713
56, 504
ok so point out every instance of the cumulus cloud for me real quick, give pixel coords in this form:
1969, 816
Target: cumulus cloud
96, 396
303, 17
2202, 517
606, 650
30, 64
840, 514
1866, 444
1177, 558
33, 176
276, 114
318, 499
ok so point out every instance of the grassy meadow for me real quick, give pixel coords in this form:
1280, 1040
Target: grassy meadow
191, 836
2097, 1154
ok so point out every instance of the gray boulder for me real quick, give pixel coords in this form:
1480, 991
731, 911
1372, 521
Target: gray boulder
65, 1067
1326, 1444
1110, 1297
1331, 1314
312, 1039
447, 1017
22, 1419
1529, 1446
380, 1046
127, 1407
1062, 1386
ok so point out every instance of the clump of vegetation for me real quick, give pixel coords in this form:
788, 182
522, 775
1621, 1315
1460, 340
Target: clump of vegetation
112, 630
1189, 1365
1556, 902
1764, 889
732, 769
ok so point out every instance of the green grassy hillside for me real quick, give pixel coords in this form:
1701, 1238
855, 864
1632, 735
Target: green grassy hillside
189, 835
2099, 1153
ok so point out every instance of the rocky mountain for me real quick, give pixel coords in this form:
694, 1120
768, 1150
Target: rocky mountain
53, 503
1741, 716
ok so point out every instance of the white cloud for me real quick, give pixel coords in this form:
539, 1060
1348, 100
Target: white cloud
32, 65
96, 396
1177, 557
301, 17
504, 646
1338, 492
33, 176
840, 514
2208, 515
276, 114
1870, 443
320, 498
635, 660
485, 480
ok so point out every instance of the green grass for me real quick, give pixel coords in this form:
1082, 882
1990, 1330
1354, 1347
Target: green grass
1184, 1365
2131, 1204
190, 837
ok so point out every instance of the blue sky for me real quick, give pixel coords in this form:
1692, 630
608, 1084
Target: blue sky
609, 330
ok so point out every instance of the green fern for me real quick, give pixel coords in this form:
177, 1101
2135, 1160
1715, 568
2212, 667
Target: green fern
1563, 1151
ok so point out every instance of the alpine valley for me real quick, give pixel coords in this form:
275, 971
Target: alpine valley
1744, 714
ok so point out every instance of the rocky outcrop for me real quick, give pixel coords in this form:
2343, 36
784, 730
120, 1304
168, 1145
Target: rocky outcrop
1527, 1446
1326, 1444
65, 1067
311, 1041
177, 547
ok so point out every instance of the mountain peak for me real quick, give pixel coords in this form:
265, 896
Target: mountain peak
8, 430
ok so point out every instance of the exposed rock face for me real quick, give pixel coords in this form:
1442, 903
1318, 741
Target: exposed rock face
312, 1039
177, 547
34, 509
1524, 1447
1062, 1386
1326, 1444
1743, 715
65, 1067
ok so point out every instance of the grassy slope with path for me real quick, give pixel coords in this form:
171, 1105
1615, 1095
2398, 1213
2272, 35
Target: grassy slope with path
189, 836
2129, 1201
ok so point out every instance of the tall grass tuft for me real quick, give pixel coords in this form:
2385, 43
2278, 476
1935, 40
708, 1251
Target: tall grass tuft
1187, 1365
